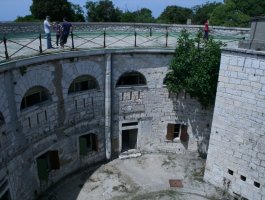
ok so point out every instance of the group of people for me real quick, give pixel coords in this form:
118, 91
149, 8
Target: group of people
62, 31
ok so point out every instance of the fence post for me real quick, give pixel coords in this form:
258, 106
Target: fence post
72, 36
6, 53
150, 32
104, 40
166, 36
135, 45
40, 47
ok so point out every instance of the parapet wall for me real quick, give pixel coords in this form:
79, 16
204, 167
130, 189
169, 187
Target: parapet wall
74, 130
236, 156
26, 27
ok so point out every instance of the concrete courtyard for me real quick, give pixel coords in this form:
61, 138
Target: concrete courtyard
143, 178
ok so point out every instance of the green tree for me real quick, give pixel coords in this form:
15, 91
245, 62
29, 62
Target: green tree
203, 12
56, 9
78, 13
143, 15
229, 14
175, 14
102, 11
26, 18
195, 67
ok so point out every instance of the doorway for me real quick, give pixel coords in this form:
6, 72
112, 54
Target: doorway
129, 139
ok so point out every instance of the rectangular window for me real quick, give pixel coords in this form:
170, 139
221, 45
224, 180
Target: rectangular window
88, 143
47, 162
175, 131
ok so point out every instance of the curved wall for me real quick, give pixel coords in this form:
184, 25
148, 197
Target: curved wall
42, 143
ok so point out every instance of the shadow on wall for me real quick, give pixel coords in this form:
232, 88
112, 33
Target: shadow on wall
76, 179
198, 120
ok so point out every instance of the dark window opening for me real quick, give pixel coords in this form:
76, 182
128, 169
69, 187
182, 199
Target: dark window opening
243, 178
256, 184
2, 119
230, 172
129, 124
131, 78
83, 83
129, 139
177, 131
6, 196
47, 162
34, 96
88, 143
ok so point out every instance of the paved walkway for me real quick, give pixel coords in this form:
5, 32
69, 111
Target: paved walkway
26, 46
143, 178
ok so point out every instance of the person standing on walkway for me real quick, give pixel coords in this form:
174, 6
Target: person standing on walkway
58, 31
66, 29
47, 30
206, 30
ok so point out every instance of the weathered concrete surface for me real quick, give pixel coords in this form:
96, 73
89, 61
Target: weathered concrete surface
236, 156
142, 178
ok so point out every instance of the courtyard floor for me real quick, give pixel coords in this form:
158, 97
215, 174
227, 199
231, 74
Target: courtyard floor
143, 178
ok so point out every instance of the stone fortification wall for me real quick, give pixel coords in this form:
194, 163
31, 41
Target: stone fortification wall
23, 28
54, 131
236, 156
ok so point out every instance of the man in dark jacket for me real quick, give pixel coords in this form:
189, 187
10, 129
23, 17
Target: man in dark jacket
66, 29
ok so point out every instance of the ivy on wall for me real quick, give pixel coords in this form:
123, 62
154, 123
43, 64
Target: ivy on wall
195, 67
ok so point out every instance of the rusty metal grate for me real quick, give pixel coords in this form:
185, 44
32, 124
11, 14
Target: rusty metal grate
175, 183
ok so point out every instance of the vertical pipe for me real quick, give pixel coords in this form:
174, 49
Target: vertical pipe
108, 106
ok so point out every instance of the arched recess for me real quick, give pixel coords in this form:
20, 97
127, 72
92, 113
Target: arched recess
2, 119
35, 95
133, 78
83, 83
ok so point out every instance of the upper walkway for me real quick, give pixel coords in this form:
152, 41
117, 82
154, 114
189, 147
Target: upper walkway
22, 40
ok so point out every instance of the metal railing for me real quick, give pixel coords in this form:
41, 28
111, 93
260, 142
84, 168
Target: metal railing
17, 47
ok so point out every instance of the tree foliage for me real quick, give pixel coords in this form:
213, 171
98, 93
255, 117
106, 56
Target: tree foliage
203, 12
175, 14
237, 13
143, 15
102, 11
26, 18
56, 9
229, 15
195, 67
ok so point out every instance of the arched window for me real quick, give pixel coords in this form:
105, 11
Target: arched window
131, 78
83, 83
34, 96
2, 119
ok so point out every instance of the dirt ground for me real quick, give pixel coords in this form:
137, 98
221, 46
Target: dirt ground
143, 178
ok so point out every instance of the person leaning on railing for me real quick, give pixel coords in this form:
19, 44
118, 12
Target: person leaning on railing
66, 29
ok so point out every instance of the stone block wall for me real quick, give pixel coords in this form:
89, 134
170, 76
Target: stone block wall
236, 152
28, 135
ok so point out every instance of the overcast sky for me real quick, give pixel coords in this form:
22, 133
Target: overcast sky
10, 9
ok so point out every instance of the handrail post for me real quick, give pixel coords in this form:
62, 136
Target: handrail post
72, 36
166, 36
40, 47
150, 32
6, 53
135, 45
104, 39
